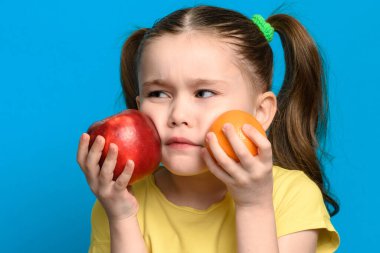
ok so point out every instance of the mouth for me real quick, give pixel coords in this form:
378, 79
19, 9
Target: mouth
181, 143
183, 146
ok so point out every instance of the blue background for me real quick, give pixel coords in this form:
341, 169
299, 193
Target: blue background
59, 72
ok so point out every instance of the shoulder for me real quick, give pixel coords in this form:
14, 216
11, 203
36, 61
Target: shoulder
285, 176
294, 185
295, 192
299, 206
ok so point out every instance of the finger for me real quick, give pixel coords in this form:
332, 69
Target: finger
264, 147
94, 155
106, 172
240, 149
222, 159
83, 150
215, 169
122, 181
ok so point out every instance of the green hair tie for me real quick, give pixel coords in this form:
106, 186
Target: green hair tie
264, 26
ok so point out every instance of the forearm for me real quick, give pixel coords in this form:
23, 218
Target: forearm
256, 230
126, 236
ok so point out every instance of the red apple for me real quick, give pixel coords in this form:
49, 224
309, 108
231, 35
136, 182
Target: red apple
137, 139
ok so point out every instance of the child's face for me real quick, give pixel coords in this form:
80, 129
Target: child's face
181, 107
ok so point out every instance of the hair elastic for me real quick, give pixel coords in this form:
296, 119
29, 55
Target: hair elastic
264, 26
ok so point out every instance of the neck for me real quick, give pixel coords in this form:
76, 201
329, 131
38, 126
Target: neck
199, 192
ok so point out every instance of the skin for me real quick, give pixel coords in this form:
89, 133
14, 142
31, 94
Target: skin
179, 106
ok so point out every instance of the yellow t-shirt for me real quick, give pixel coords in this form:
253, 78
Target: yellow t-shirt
168, 228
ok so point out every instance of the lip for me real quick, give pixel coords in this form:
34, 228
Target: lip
180, 141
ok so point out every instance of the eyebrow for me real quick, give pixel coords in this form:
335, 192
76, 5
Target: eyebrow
194, 82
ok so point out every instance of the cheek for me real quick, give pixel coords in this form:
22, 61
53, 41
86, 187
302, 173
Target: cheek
149, 110
156, 115
208, 120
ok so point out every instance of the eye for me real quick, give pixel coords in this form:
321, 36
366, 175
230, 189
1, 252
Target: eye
205, 93
157, 94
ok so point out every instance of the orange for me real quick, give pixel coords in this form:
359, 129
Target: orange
237, 118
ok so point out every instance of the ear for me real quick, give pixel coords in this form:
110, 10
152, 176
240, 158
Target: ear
138, 102
266, 107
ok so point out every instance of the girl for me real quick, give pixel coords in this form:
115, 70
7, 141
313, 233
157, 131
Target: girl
190, 67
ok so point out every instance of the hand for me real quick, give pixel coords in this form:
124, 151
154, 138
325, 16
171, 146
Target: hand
117, 201
249, 181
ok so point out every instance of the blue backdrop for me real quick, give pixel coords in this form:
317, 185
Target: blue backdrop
59, 72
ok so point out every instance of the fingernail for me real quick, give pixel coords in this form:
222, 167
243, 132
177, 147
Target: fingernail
113, 146
208, 136
226, 127
130, 163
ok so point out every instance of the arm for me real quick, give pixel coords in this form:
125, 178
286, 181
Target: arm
126, 236
256, 229
119, 204
291, 243
250, 182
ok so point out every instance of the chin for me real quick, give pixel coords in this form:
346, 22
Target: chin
185, 167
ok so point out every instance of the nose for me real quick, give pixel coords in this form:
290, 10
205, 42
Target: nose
179, 114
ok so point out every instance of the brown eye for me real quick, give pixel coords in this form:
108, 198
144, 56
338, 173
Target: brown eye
205, 93
157, 94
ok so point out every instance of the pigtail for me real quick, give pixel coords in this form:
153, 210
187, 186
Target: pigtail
300, 124
128, 68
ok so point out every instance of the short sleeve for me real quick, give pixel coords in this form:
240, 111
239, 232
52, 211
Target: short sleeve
100, 235
301, 207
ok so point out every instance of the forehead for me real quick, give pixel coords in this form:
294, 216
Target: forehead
189, 55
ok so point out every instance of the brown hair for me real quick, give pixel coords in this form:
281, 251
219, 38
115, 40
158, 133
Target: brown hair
300, 123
